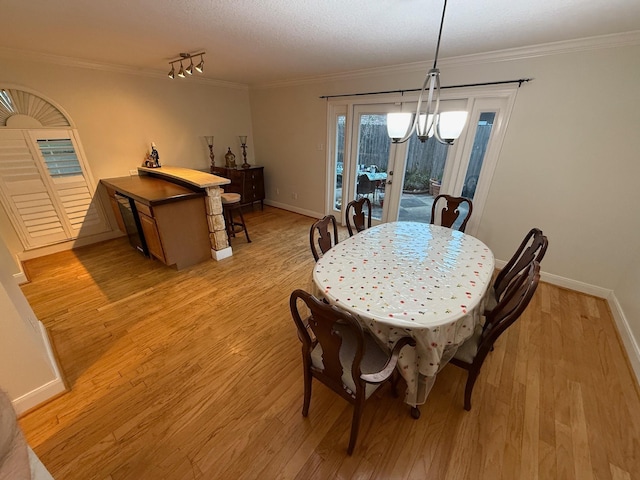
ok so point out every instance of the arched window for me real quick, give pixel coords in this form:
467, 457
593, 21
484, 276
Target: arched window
46, 187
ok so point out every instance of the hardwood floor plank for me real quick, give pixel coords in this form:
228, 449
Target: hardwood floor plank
197, 374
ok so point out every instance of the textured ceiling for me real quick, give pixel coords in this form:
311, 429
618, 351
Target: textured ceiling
262, 41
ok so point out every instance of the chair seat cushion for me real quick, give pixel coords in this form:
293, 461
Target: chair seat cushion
230, 198
373, 360
468, 350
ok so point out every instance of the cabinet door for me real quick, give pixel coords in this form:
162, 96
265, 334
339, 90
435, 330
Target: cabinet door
117, 214
152, 237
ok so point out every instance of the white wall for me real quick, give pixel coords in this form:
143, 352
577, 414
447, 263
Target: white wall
28, 372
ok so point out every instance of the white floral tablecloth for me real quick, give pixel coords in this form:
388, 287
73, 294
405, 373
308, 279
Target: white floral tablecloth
408, 278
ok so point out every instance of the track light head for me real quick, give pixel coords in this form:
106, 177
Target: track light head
172, 73
189, 69
181, 71
200, 66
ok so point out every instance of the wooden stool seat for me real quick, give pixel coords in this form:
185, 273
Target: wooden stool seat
231, 202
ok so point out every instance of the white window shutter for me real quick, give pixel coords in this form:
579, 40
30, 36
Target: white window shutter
48, 202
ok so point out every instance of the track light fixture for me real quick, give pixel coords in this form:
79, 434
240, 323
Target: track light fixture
189, 70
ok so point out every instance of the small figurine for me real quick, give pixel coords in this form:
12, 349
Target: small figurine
153, 158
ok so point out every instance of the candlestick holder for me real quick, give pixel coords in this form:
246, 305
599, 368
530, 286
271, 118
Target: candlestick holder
211, 155
243, 145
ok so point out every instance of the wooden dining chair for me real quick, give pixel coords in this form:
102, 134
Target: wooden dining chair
365, 186
357, 212
338, 352
451, 210
472, 353
533, 247
323, 235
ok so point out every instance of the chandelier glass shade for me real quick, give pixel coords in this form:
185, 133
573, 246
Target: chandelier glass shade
427, 120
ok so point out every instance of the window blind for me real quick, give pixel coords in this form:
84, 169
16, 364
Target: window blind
60, 157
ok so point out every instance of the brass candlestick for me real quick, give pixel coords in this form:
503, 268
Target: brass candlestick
243, 145
211, 155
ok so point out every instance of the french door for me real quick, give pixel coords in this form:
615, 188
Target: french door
401, 180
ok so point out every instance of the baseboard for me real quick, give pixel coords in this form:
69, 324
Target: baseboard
45, 392
628, 340
291, 208
568, 283
40, 395
63, 246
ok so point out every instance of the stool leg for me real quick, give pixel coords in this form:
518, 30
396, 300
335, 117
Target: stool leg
228, 218
244, 225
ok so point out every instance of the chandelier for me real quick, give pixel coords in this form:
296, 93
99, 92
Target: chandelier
184, 57
445, 126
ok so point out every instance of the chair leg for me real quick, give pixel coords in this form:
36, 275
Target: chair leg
468, 389
355, 424
307, 391
395, 377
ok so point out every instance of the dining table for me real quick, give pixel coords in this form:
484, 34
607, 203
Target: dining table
410, 279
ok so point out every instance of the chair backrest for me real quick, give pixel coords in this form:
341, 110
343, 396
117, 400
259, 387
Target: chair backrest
451, 210
533, 247
355, 213
327, 326
322, 237
517, 296
365, 186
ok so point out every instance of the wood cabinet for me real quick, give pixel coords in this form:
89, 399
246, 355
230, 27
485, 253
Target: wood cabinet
176, 233
248, 182
163, 220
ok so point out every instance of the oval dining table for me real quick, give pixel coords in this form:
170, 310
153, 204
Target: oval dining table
410, 278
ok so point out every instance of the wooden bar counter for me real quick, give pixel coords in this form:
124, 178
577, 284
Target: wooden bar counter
177, 211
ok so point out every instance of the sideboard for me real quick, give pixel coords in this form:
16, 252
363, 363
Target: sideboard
248, 182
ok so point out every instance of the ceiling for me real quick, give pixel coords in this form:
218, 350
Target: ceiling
264, 41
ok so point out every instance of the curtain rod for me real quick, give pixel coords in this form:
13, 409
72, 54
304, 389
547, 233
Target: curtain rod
519, 82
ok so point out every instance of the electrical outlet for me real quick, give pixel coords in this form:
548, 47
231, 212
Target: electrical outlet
133, 172
294, 195
277, 191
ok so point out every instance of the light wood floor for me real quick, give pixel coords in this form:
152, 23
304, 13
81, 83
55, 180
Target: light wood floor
197, 375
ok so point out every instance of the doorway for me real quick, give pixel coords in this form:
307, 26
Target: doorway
401, 180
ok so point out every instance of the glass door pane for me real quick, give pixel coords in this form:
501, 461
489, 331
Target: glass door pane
480, 143
372, 160
339, 162
424, 168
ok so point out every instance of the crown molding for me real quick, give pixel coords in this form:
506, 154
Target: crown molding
105, 67
510, 54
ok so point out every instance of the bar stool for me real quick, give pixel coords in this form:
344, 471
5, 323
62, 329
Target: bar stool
231, 202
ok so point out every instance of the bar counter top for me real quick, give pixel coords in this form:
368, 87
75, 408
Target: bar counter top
150, 190
185, 175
